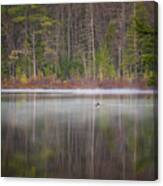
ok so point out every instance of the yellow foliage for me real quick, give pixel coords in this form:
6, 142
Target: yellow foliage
40, 75
23, 79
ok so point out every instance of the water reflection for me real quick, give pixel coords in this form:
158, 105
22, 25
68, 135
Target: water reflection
68, 137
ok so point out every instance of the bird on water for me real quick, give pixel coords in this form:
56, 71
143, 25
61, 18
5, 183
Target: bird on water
97, 105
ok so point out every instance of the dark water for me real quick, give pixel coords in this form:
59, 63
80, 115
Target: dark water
48, 135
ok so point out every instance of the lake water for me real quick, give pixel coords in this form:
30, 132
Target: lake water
67, 136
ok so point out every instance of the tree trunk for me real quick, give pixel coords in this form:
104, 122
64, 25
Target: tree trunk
135, 46
68, 32
123, 33
122, 39
26, 42
119, 61
93, 43
34, 55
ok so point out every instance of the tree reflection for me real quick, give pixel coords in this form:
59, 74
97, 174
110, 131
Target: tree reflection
68, 137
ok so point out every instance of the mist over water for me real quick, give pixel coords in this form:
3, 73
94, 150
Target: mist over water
68, 136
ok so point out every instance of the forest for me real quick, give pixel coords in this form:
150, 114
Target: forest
79, 45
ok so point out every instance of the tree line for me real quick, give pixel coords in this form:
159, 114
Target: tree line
92, 41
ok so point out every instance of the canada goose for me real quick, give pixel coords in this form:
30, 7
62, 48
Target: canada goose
97, 105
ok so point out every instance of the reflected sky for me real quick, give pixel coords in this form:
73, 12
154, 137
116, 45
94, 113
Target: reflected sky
67, 136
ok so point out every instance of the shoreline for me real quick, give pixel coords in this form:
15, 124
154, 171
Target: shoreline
90, 91
76, 84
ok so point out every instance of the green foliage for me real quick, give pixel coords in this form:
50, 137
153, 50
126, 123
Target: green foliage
14, 10
4, 69
70, 68
148, 40
105, 67
110, 34
140, 55
130, 57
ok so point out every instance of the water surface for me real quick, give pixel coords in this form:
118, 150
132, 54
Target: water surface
67, 136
